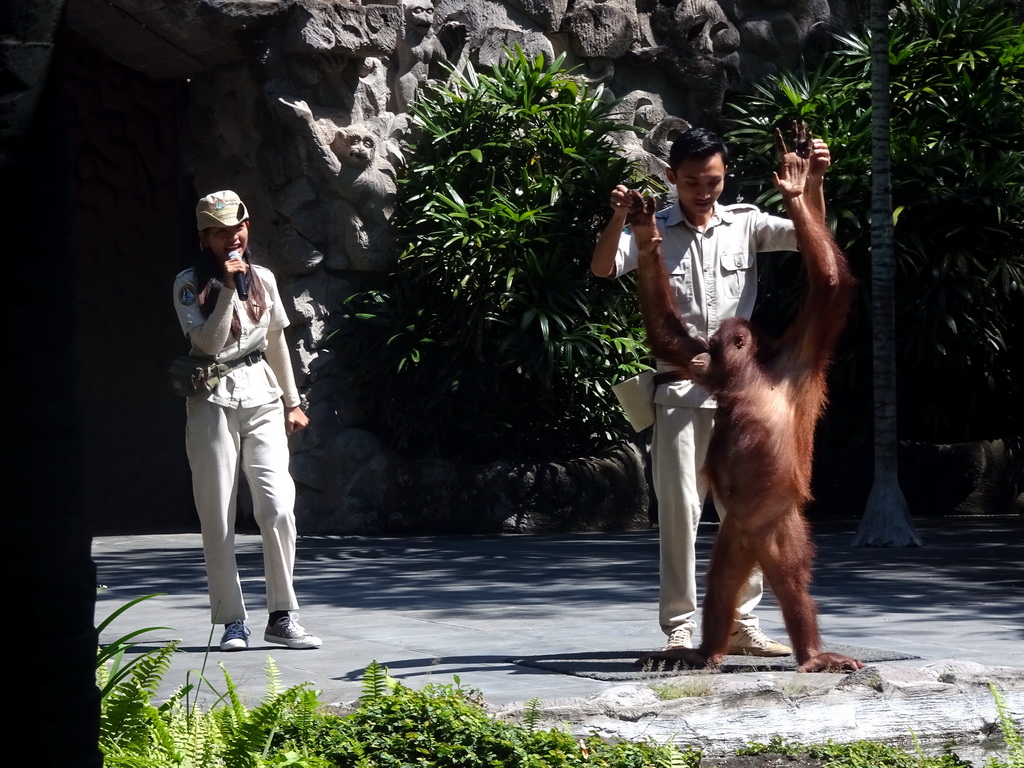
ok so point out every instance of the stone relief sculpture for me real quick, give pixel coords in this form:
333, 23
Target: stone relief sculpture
360, 186
697, 52
418, 54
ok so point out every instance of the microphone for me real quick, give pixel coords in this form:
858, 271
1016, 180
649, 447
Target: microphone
241, 279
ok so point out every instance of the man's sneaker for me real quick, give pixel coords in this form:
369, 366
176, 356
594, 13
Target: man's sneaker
680, 637
751, 641
235, 637
286, 631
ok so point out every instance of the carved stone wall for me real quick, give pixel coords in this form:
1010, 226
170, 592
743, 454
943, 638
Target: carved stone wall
301, 107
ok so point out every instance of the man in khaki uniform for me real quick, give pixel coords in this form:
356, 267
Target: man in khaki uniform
710, 252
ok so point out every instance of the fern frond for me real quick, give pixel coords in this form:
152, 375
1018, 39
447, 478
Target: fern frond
235, 705
670, 757
305, 714
197, 739
531, 716
126, 714
255, 734
377, 682
274, 685
176, 699
102, 676
151, 668
126, 717
1011, 731
161, 739
174, 736
148, 668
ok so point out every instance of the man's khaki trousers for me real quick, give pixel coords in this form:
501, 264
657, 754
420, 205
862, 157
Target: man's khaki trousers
678, 449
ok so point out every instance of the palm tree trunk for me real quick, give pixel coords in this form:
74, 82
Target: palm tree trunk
886, 521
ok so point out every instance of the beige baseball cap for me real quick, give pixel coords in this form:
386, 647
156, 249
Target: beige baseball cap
220, 209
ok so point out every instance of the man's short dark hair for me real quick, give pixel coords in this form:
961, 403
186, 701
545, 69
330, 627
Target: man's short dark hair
697, 144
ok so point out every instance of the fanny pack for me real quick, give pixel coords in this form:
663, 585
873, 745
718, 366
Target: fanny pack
191, 376
636, 396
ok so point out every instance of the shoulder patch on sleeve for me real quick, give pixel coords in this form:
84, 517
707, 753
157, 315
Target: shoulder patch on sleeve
187, 295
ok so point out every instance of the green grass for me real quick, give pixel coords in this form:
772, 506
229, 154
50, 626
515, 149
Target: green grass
692, 688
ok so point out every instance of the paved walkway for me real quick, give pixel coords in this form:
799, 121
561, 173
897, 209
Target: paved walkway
431, 608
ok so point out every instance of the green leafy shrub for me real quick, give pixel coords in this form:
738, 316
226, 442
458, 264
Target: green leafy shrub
861, 753
137, 733
957, 106
492, 339
445, 726
440, 726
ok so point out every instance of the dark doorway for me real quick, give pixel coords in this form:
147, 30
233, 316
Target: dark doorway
130, 237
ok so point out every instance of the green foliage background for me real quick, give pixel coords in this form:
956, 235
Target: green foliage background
492, 339
957, 92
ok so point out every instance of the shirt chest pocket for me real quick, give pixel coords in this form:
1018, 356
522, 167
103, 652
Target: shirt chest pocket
737, 269
682, 287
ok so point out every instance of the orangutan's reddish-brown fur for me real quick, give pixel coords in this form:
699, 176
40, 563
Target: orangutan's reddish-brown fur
758, 466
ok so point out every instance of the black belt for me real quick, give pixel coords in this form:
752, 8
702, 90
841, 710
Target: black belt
668, 377
251, 359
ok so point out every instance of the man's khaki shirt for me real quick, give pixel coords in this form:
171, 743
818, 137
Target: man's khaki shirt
713, 274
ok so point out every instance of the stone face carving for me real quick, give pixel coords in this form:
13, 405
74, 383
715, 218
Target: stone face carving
547, 13
776, 35
356, 29
480, 32
704, 24
695, 47
603, 30
490, 45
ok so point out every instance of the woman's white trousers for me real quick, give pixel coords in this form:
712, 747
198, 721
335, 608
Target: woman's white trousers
219, 441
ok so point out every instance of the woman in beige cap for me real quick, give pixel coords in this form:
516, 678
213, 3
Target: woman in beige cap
231, 312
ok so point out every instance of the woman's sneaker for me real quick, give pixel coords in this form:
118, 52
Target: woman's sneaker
235, 637
286, 631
